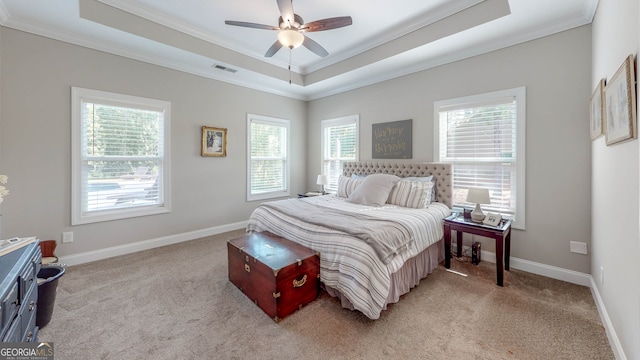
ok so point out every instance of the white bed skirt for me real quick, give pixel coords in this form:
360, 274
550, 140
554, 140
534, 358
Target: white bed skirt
409, 275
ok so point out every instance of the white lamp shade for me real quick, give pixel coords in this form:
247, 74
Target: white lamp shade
322, 180
478, 196
290, 38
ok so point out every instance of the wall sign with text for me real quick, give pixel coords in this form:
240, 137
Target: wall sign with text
392, 140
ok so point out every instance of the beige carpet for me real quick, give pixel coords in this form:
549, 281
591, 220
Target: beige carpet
176, 302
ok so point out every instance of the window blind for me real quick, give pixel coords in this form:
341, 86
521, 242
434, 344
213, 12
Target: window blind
120, 167
268, 152
123, 153
480, 140
340, 144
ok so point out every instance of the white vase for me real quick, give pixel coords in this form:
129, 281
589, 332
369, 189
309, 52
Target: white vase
477, 215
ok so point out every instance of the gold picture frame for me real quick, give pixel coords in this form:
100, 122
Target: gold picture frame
597, 110
214, 141
620, 104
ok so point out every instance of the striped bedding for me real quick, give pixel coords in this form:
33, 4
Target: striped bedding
347, 263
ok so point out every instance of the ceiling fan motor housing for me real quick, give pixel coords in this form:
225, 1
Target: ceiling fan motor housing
297, 22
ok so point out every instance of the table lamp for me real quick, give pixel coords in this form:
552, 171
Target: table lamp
322, 180
478, 196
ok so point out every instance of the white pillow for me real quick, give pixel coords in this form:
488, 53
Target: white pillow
347, 185
411, 194
374, 190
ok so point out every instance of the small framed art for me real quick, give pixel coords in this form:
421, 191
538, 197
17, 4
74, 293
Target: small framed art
597, 110
620, 104
214, 141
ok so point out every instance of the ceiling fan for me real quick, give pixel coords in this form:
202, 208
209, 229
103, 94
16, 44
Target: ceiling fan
292, 28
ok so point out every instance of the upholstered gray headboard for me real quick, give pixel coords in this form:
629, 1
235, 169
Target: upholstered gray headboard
440, 171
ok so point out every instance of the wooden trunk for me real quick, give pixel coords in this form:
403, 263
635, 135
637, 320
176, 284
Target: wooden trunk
279, 275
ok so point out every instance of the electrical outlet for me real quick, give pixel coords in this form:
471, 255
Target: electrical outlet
67, 237
601, 275
578, 247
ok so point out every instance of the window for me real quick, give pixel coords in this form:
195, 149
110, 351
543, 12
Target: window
268, 157
483, 137
339, 144
120, 163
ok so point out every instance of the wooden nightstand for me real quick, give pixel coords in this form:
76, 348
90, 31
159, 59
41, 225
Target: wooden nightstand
501, 233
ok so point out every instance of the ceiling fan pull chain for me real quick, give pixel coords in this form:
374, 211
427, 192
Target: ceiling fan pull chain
290, 51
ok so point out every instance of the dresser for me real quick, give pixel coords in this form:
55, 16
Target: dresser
19, 293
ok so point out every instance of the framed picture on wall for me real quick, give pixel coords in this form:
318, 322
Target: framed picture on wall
392, 140
214, 141
597, 110
620, 104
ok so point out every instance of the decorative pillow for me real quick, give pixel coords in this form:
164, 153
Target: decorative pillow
434, 190
358, 176
347, 185
374, 190
411, 194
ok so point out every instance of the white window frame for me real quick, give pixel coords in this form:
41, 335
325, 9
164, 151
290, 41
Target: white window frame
78, 161
520, 96
346, 120
287, 170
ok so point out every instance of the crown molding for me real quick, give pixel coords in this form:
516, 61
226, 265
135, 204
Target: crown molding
590, 8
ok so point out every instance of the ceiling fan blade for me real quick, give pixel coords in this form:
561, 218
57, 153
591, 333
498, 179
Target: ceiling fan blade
286, 9
273, 49
327, 24
251, 25
314, 47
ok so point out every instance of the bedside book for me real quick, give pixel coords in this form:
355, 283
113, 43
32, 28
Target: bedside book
313, 193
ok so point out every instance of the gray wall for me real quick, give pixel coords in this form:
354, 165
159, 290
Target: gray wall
616, 184
35, 128
556, 73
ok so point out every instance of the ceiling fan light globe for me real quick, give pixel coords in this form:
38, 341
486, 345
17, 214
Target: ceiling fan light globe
290, 38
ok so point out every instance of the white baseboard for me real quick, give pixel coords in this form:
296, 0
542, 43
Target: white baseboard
90, 256
553, 272
618, 352
569, 276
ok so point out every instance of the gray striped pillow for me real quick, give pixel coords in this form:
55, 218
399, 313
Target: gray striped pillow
411, 194
347, 185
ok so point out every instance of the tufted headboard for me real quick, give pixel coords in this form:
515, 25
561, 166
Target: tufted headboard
440, 171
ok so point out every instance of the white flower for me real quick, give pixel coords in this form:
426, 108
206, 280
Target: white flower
3, 190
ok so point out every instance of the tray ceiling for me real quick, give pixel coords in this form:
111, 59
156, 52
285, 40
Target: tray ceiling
387, 38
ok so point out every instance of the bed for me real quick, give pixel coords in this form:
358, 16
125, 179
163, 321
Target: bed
369, 255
